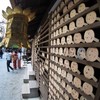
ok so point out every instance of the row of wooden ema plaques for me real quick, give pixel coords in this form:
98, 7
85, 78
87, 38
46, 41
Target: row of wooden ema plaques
70, 56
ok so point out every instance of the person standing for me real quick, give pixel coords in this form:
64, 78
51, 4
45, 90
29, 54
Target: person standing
19, 59
15, 57
8, 58
1, 53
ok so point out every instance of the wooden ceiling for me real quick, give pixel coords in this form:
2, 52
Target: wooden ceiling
40, 7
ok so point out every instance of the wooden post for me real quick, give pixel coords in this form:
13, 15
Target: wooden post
97, 96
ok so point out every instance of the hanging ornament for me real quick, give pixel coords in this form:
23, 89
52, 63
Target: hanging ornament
17, 23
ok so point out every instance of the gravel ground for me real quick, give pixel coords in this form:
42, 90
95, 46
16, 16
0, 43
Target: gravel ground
10, 82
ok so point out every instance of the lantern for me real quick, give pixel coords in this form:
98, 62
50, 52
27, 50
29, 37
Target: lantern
17, 23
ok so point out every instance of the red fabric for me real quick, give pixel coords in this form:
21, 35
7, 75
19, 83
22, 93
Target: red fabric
15, 57
19, 63
15, 64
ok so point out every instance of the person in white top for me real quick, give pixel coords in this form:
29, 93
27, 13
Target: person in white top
19, 59
8, 58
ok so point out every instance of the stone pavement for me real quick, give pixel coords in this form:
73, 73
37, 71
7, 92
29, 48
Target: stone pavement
10, 82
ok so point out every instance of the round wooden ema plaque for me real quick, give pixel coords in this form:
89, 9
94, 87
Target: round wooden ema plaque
57, 33
75, 94
72, 26
74, 67
55, 19
60, 61
62, 4
61, 91
53, 58
58, 23
58, 79
43, 54
69, 77
54, 42
78, 38
66, 96
65, 29
57, 86
58, 9
73, 13
51, 42
57, 95
63, 73
56, 59
52, 21
69, 39
54, 26
65, 9
70, 4
81, 53
75, 1
82, 98
63, 83
77, 82
56, 51
60, 98
69, 89
58, 16
60, 31
54, 34
60, 51
66, 64
55, 76
66, 18
89, 36
54, 90
92, 54
55, 12
89, 73
61, 21
80, 22
53, 49
82, 7
92, 17
58, 41
88, 89
63, 41
47, 56
59, 70
65, 51
55, 68
51, 65
53, 15
52, 73
72, 52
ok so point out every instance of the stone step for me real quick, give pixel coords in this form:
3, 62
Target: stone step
32, 85
33, 98
30, 90
26, 78
26, 89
